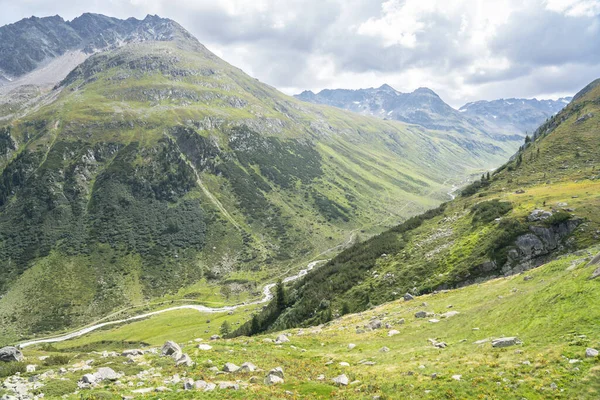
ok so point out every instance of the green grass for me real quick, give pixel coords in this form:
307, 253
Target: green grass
550, 313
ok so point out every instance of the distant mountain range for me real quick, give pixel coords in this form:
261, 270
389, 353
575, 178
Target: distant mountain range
499, 118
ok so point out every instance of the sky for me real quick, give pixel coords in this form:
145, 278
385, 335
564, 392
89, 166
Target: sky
465, 50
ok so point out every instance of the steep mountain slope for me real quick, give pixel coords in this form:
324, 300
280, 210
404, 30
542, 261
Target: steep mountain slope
512, 115
156, 165
504, 120
542, 203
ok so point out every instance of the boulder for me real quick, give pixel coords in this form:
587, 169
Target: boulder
188, 384
88, 378
401, 321
393, 332
421, 314
31, 368
408, 297
344, 364
282, 339
589, 352
351, 346
230, 367
106, 374
384, 349
277, 372
10, 353
539, 215
185, 360
341, 380
215, 337
172, 349
434, 321
273, 380
505, 342
247, 367
375, 324
210, 387
204, 347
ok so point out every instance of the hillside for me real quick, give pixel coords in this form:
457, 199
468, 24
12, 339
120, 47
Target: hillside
156, 169
385, 352
542, 203
503, 120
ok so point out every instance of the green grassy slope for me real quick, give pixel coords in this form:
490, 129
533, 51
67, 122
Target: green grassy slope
553, 312
484, 233
159, 166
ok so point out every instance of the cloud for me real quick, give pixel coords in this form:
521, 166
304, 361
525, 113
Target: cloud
464, 49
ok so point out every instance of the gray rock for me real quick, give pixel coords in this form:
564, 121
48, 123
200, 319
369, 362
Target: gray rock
282, 339
539, 215
210, 387
384, 349
375, 324
247, 367
273, 380
188, 384
230, 367
450, 314
172, 349
351, 346
589, 352
10, 353
420, 314
408, 297
505, 342
393, 332
89, 379
204, 347
341, 380
106, 374
185, 360
132, 352
215, 337
229, 386
277, 372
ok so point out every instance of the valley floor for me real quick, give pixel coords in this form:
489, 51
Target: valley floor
552, 310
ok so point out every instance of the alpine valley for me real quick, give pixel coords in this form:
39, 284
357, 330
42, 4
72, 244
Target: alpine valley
172, 228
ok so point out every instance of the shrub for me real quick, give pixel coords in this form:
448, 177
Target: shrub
57, 359
11, 368
488, 211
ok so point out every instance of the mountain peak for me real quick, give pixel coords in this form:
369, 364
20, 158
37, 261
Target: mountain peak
425, 90
386, 87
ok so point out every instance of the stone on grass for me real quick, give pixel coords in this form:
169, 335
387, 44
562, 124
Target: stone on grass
277, 371
31, 368
132, 352
408, 297
228, 386
450, 314
230, 367
591, 352
456, 377
172, 349
215, 337
106, 374
344, 364
384, 349
282, 339
420, 314
393, 332
88, 378
210, 387
10, 353
184, 360
351, 346
505, 342
272, 380
204, 347
375, 324
341, 380
401, 321
247, 367
434, 321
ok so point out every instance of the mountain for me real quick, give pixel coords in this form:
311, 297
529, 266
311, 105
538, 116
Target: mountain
513, 115
540, 205
503, 120
422, 107
155, 171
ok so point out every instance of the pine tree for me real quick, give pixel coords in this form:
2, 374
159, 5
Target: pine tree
488, 176
280, 296
255, 325
225, 328
345, 308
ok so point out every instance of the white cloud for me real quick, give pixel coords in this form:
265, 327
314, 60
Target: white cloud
463, 49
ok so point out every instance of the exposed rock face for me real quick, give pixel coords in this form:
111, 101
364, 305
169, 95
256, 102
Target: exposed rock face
532, 248
10, 353
27, 44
